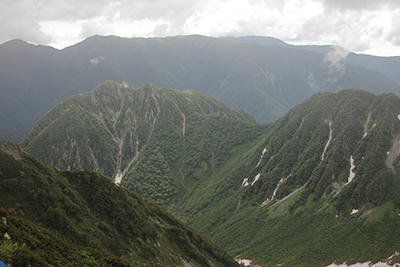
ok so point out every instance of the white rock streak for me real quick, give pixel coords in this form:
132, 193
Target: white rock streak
366, 125
245, 262
277, 186
291, 194
265, 150
329, 141
118, 178
267, 201
354, 211
283, 199
393, 153
256, 178
351, 174
245, 182
282, 180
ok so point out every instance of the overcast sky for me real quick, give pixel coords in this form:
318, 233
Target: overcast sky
362, 26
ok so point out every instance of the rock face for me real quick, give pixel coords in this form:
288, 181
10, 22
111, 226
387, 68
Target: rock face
289, 191
12, 149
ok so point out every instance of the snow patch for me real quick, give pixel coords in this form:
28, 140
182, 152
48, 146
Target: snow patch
118, 178
364, 264
245, 262
267, 201
265, 150
245, 182
383, 263
398, 116
352, 174
354, 211
277, 186
256, 178
329, 141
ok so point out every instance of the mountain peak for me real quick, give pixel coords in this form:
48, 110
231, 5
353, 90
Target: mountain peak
120, 122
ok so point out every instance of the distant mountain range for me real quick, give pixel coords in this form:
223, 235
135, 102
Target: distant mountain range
389, 66
319, 185
263, 80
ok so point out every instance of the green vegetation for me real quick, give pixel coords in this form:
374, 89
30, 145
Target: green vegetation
87, 209
192, 155
266, 82
23, 243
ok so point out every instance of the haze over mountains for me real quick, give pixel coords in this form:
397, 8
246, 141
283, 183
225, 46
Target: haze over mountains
388, 66
177, 121
318, 185
264, 81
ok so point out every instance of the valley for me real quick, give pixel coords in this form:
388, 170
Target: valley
233, 179
83, 219
196, 151
266, 81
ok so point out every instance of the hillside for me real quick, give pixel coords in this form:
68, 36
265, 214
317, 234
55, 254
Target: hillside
264, 81
113, 128
23, 243
321, 187
87, 209
318, 185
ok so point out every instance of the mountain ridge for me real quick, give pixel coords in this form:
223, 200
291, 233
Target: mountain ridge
387, 65
86, 209
319, 173
263, 81
126, 117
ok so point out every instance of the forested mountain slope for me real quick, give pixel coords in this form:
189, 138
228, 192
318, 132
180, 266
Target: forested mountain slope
263, 81
23, 243
320, 184
113, 128
87, 209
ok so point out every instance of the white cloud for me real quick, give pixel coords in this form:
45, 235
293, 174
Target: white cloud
94, 62
335, 60
358, 25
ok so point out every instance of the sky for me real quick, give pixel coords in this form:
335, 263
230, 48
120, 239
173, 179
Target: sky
361, 26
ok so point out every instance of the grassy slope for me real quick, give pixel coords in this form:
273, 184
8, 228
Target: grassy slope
23, 243
313, 227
